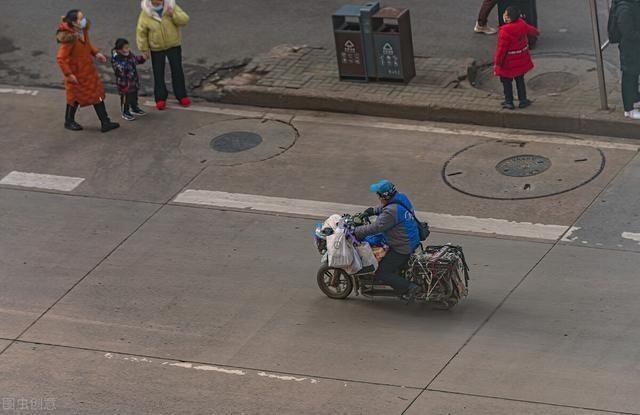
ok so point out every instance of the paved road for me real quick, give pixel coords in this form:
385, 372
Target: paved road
222, 31
121, 295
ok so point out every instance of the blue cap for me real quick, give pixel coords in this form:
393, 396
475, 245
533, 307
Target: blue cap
382, 187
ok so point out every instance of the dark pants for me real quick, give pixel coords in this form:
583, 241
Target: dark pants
129, 101
485, 10
507, 85
158, 61
630, 94
389, 271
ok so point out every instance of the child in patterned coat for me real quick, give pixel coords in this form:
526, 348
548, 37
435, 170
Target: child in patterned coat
124, 66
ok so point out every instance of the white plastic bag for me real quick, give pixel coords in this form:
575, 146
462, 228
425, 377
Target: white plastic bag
356, 264
340, 249
332, 222
366, 255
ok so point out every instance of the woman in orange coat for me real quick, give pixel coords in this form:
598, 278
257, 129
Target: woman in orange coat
81, 79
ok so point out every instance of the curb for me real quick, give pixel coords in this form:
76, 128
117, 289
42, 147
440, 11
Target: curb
297, 99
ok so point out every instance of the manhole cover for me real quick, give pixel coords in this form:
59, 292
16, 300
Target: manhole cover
553, 82
235, 142
516, 170
524, 165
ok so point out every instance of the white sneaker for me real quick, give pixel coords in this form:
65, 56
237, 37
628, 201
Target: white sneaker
487, 30
637, 105
634, 115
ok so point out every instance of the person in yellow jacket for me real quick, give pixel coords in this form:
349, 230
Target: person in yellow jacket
158, 35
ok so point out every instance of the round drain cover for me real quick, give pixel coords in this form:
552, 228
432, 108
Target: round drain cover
515, 170
553, 82
235, 142
524, 165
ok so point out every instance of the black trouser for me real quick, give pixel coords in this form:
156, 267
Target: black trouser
129, 101
485, 10
507, 85
389, 271
158, 61
630, 94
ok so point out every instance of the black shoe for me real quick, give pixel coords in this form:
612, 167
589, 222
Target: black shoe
108, 126
138, 111
70, 118
411, 294
126, 115
508, 105
525, 103
72, 125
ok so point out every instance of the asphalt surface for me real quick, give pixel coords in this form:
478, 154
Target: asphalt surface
222, 31
120, 297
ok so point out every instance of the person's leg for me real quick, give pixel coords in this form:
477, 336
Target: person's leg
522, 92
485, 10
70, 118
101, 111
629, 90
177, 73
389, 270
158, 61
507, 86
124, 103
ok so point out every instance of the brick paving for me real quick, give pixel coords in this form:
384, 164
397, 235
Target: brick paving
307, 78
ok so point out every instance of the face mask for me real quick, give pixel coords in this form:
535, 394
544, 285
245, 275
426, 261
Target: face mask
158, 8
83, 23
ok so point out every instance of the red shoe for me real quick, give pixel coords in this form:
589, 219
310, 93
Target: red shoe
161, 104
185, 102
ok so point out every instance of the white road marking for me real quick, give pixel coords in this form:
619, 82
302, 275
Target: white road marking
424, 128
209, 368
280, 377
322, 210
212, 110
18, 91
568, 236
632, 236
41, 181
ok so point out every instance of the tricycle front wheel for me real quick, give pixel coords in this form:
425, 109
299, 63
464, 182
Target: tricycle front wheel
334, 282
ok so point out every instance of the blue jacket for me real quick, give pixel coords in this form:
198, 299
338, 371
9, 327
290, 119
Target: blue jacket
397, 225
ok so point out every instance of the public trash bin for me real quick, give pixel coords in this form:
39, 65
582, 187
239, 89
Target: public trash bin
354, 44
393, 44
529, 12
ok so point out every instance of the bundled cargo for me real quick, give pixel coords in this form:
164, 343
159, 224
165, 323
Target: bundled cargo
442, 272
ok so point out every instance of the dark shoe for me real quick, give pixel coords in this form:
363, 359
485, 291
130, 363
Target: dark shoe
138, 111
126, 115
508, 105
411, 293
108, 126
525, 103
69, 118
72, 125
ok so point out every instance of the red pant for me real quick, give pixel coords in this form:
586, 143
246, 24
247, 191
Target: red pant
485, 10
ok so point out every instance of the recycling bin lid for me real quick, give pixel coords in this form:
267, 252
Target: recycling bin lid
348, 10
390, 13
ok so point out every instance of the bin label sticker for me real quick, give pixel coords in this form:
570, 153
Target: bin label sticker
389, 60
350, 54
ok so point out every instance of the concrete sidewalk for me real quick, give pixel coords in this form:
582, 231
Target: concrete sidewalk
563, 87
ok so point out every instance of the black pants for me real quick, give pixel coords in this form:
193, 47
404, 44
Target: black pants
158, 61
507, 85
389, 271
485, 10
129, 101
630, 94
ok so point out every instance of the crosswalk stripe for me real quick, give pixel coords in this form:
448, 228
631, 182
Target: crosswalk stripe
322, 210
41, 181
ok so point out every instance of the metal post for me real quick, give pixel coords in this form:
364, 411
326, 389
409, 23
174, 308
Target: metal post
598, 49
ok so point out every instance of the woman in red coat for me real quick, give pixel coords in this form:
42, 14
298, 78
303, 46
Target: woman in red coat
81, 79
513, 59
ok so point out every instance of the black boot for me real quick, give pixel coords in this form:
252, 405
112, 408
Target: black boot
70, 118
107, 125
